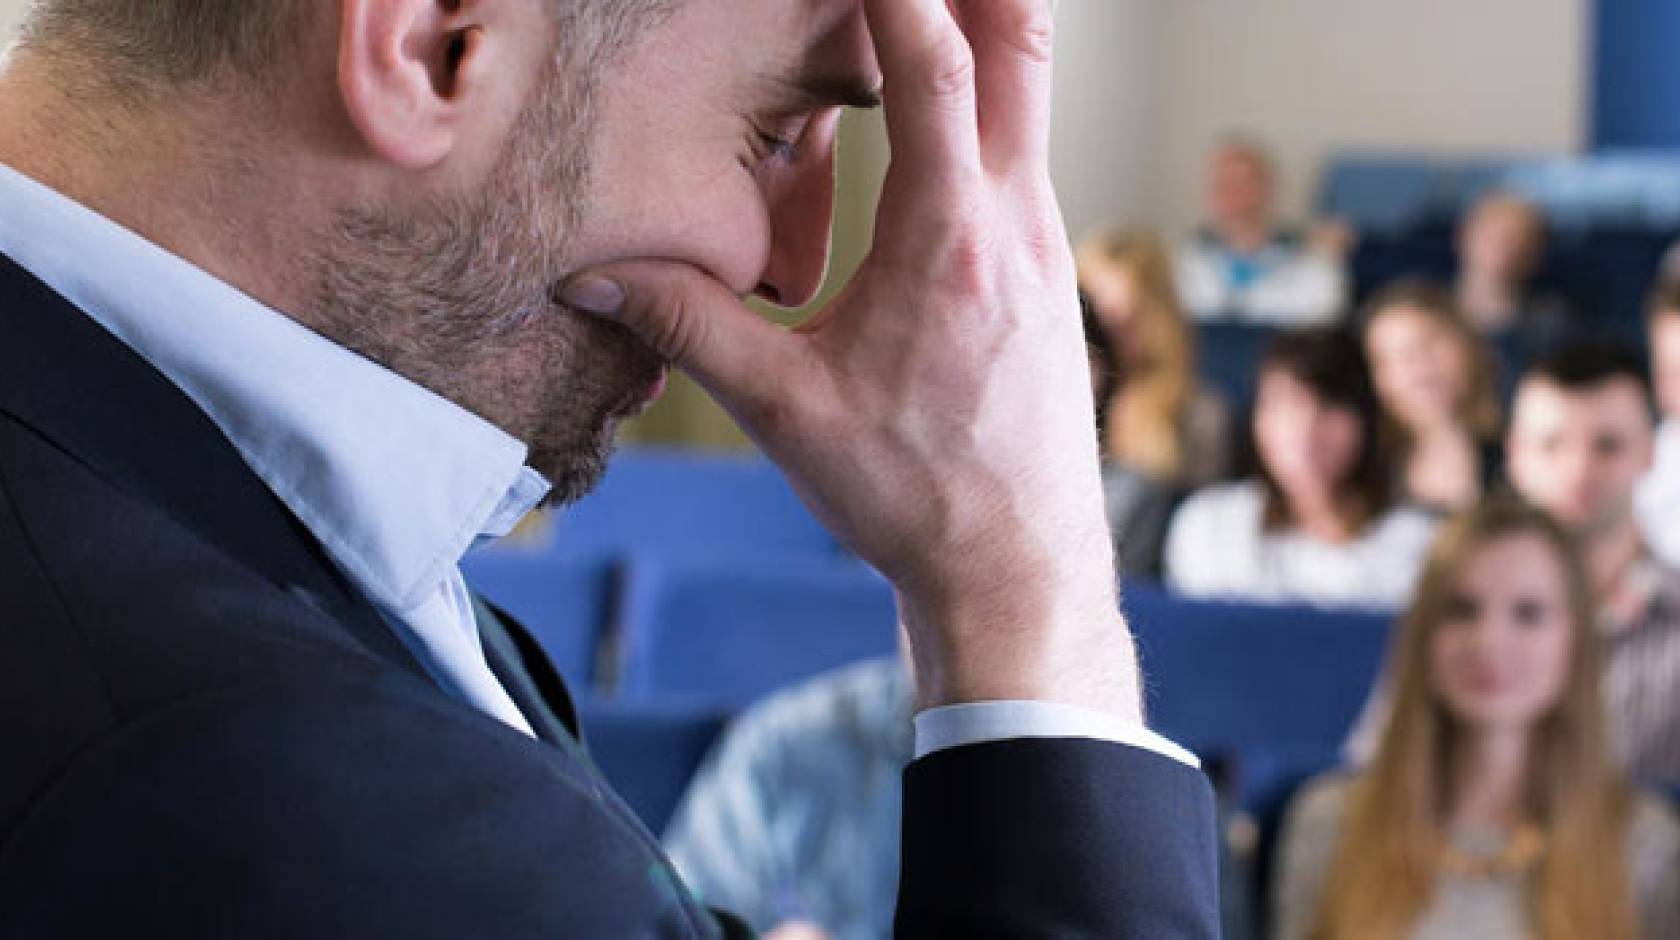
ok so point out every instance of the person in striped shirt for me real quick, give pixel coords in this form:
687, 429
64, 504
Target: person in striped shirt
1581, 438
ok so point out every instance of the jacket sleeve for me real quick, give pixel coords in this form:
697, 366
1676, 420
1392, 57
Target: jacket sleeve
1057, 837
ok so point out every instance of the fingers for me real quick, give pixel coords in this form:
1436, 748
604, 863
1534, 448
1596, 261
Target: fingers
1012, 43
929, 86
691, 319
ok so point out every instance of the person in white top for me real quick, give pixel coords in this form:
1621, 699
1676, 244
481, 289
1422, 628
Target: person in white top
1319, 524
1244, 266
1658, 500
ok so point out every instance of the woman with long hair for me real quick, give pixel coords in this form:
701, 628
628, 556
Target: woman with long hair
1156, 418
1436, 380
1491, 808
1319, 521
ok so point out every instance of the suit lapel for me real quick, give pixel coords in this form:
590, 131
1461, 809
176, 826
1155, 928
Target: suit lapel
528, 676
80, 387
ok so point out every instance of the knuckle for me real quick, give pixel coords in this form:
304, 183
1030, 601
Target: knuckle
1029, 29
947, 70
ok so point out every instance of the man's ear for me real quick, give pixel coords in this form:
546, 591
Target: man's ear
400, 64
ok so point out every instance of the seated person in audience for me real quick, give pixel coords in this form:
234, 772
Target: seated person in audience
1243, 266
793, 821
1160, 430
1320, 523
1158, 418
1435, 379
1580, 442
1658, 499
1492, 808
1500, 246
1138, 505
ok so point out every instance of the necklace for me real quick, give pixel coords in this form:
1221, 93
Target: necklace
1525, 847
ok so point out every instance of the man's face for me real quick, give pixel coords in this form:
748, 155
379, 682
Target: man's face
708, 139
1503, 240
1239, 188
1579, 454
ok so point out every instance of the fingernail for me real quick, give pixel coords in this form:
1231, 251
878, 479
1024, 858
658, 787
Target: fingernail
594, 294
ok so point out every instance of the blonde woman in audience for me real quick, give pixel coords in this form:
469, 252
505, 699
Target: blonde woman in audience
1435, 379
1492, 808
1157, 419
1320, 522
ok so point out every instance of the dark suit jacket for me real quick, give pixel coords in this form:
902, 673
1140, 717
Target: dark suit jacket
205, 732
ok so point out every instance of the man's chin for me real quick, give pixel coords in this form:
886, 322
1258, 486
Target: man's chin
575, 471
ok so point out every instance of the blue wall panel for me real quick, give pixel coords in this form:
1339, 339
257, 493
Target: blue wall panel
1636, 81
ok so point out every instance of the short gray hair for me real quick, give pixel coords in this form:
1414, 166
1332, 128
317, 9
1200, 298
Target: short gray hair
172, 42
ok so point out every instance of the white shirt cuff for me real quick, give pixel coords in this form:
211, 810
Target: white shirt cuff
938, 729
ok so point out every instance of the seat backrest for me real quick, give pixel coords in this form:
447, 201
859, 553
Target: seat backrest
678, 503
1230, 678
566, 604
649, 751
1229, 356
729, 631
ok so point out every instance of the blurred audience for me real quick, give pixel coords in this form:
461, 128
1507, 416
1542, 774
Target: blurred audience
1435, 379
1161, 431
1580, 441
1658, 500
793, 821
1491, 808
1244, 265
1320, 523
1501, 245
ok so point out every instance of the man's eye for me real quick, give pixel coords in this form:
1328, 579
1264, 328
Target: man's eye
778, 148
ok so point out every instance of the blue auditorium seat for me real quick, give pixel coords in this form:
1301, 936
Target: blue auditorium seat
649, 751
675, 502
1227, 678
565, 603
1378, 193
1229, 355
729, 631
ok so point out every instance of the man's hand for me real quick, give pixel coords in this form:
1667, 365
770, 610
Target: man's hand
938, 415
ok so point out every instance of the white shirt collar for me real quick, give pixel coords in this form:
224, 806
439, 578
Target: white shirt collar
395, 481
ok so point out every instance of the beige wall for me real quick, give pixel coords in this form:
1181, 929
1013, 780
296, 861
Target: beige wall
1311, 76
1108, 63
10, 12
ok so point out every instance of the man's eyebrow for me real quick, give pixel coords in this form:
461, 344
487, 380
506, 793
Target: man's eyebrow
830, 89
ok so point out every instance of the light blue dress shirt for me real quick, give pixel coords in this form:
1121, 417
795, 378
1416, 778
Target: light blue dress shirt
395, 481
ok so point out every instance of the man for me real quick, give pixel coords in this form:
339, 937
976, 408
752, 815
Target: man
1658, 499
302, 298
1243, 266
1501, 244
1579, 443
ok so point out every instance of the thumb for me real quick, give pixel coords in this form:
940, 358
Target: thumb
686, 316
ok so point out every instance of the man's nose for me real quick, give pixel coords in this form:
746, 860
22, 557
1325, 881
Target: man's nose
801, 219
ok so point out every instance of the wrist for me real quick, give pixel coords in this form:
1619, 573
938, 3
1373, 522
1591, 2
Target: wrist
1039, 638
